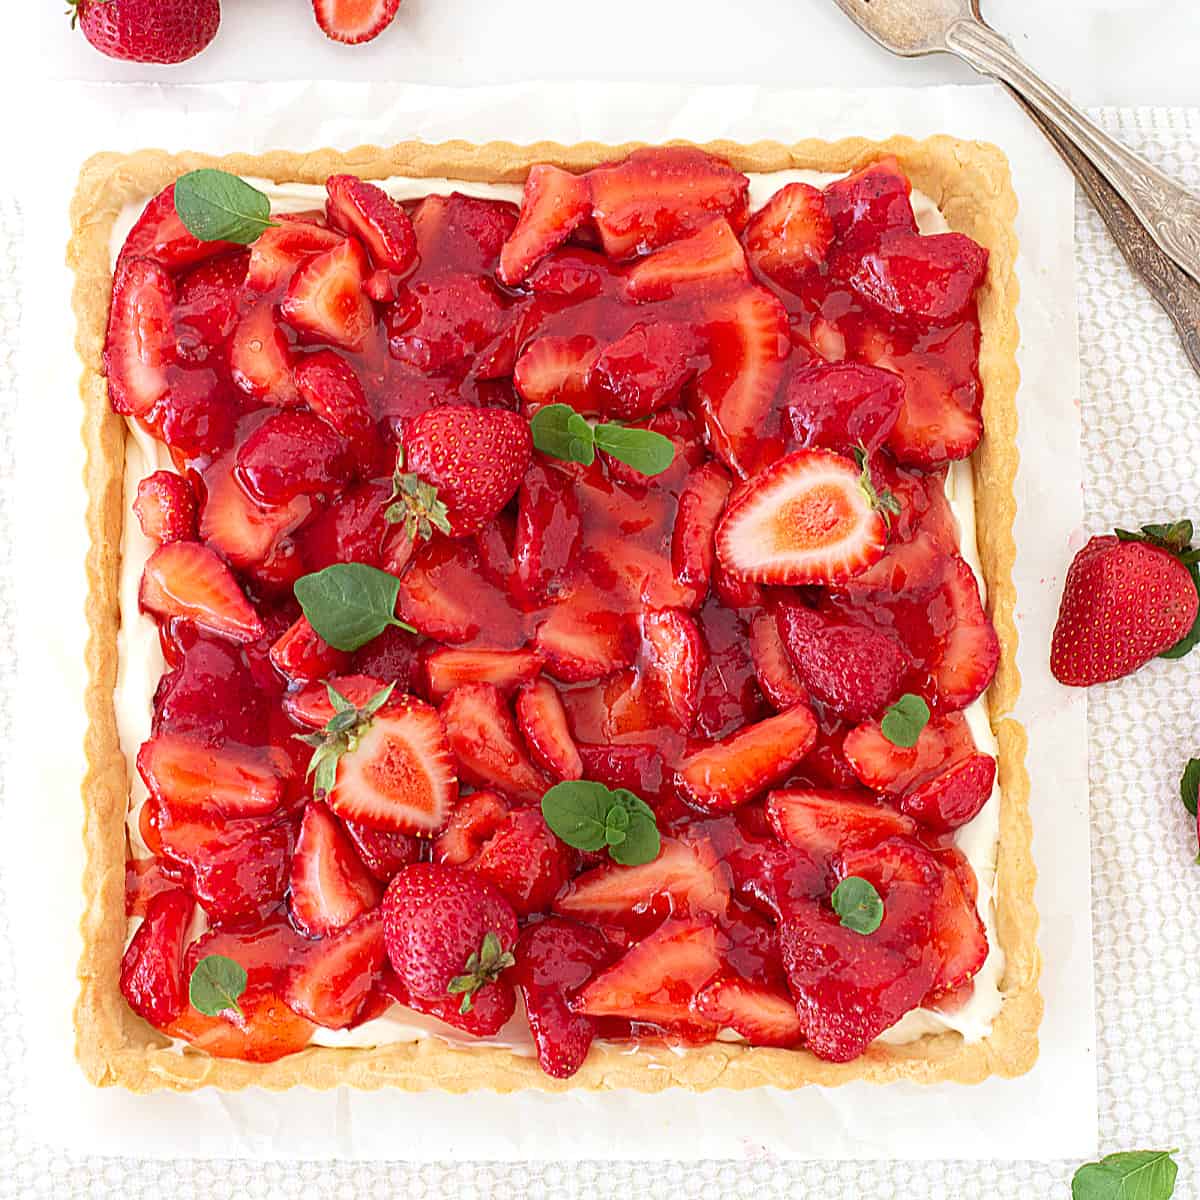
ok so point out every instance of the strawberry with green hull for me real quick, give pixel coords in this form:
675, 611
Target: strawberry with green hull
148, 31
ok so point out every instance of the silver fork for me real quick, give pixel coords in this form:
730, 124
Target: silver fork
1169, 213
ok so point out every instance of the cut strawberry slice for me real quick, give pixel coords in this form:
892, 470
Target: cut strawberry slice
443, 323
354, 21
188, 580
840, 406
326, 382
326, 301
475, 819
958, 933
486, 745
543, 723
244, 531
335, 977
278, 252
140, 342
159, 235
970, 648
400, 774
549, 532
447, 668
465, 230
246, 877
146, 878
907, 569
895, 770
312, 707
955, 796
303, 655
645, 369
692, 541
790, 234
233, 781
737, 768
370, 214
572, 273
675, 658
152, 968
748, 342
330, 886
554, 205
763, 1015
712, 257
581, 640
259, 359
824, 822
206, 307
525, 862
166, 507
293, 453
656, 196
870, 202
383, 851
773, 668
557, 370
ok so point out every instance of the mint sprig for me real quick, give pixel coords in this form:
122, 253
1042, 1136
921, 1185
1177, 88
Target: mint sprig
904, 720
216, 206
1175, 537
349, 604
1128, 1175
483, 967
216, 985
590, 816
559, 431
340, 735
857, 904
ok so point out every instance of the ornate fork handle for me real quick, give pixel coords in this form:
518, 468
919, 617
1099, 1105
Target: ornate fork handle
1170, 213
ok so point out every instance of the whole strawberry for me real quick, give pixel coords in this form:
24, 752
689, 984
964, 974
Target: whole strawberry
448, 932
1127, 598
460, 466
152, 31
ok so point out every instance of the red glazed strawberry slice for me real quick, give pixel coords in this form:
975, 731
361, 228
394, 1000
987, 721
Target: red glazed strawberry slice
447, 668
166, 507
335, 977
326, 382
645, 369
245, 532
557, 370
656, 196
206, 306
870, 202
555, 959
370, 214
303, 655
894, 770
161, 236
259, 359
701, 503
554, 205
748, 342
581, 640
675, 657
399, 775
312, 706
658, 978
812, 517
543, 723
790, 234
1123, 603
326, 301
958, 933
763, 1015
383, 851
907, 569
712, 256
233, 781
931, 278
855, 669
549, 532
525, 861
737, 768
954, 797
443, 323
152, 969
484, 741
140, 342
330, 886
245, 878
475, 818
354, 21
293, 453
824, 822
467, 231
278, 251
840, 406
773, 667
970, 650
145, 878
188, 580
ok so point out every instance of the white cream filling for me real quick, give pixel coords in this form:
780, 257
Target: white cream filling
141, 664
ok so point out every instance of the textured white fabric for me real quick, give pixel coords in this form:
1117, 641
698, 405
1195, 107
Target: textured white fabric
1142, 444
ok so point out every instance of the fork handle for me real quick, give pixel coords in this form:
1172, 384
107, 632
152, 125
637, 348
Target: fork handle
1170, 214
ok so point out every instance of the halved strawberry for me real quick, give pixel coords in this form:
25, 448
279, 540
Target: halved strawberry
468, 231
354, 21
278, 251
955, 796
776, 675
646, 368
235, 782
445, 322
554, 205
140, 342
152, 968
557, 370
727, 773
790, 234
970, 651
384, 852
370, 214
327, 383
330, 886
311, 706
957, 931
572, 273
325, 299
303, 655
166, 507
692, 540
245, 877
525, 862
658, 195
869, 202
206, 306
840, 406
160, 235
549, 532
447, 668
473, 820
894, 770
581, 639
484, 740
543, 723
334, 978
244, 531
826, 821
188, 580
293, 453
675, 658
811, 517
400, 774
763, 1015
711, 256
259, 358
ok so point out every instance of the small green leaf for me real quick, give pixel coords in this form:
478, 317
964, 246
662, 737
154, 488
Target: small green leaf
1130, 1175
217, 985
590, 816
348, 604
482, 967
218, 207
558, 430
858, 905
642, 449
1189, 784
904, 720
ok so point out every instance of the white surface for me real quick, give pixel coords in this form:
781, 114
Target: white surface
1048, 1113
1102, 51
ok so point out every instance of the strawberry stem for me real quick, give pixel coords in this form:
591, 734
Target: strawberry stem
415, 503
882, 501
483, 967
340, 735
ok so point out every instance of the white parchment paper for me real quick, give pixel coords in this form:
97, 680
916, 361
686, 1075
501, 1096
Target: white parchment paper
1049, 1113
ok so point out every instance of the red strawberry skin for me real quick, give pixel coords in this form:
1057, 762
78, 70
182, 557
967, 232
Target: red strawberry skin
150, 31
1123, 603
152, 969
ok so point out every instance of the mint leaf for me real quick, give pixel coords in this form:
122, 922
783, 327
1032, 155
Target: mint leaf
1130, 1175
904, 720
558, 430
590, 816
1189, 784
217, 985
218, 207
858, 905
642, 449
348, 604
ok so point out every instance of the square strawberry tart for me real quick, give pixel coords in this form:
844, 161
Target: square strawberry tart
551, 618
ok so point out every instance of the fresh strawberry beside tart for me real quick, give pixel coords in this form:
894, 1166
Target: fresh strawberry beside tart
566, 635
